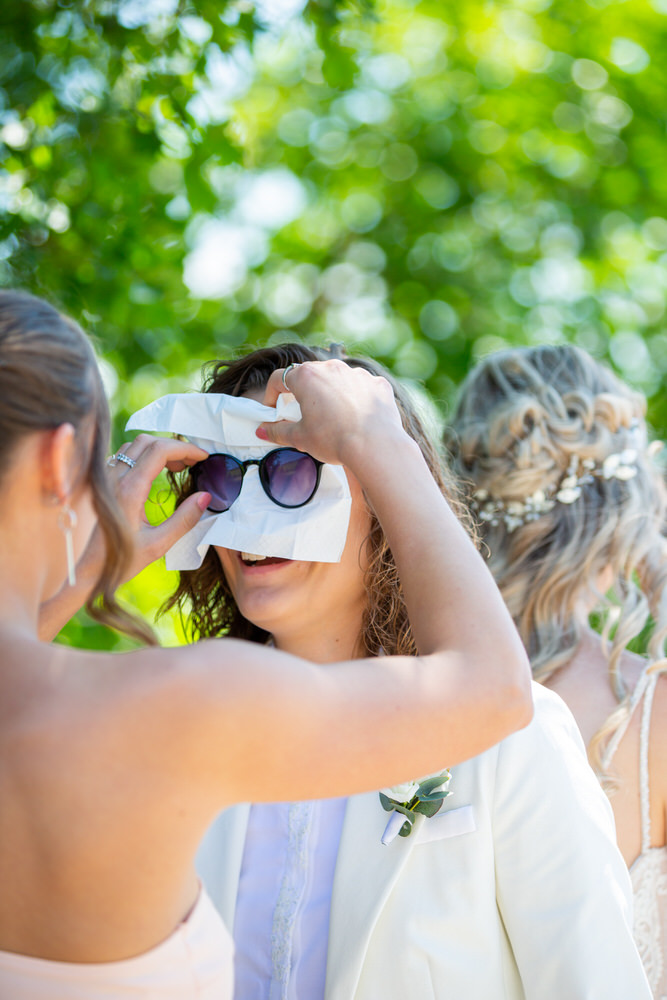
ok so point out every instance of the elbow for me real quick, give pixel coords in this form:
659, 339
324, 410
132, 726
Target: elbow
520, 706
515, 697
507, 703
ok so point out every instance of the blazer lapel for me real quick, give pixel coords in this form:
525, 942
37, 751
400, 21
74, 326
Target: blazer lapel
365, 873
219, 859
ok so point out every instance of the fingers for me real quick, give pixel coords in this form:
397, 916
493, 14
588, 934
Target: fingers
275, 386
150, 456
132, 484
344, 410
283, 432
181, 521
155, 454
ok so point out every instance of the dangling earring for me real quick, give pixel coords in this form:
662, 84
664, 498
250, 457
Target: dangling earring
67, 521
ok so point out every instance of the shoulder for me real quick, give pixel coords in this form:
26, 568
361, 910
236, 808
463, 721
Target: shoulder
553, 724
632, 668
208, 669
139, 701
214, 681
552, 729
548, 759
544, 786
659, 712
549, 748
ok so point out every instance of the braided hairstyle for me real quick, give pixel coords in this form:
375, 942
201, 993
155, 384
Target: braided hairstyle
521, 418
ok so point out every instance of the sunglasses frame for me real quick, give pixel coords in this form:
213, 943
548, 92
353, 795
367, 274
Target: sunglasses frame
263, 475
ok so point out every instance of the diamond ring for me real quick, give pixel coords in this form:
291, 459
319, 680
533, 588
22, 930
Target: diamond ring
120, 457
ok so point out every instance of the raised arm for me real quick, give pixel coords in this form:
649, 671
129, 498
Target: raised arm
285, 728
452, 599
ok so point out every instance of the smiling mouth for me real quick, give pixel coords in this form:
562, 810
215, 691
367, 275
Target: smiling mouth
249, 559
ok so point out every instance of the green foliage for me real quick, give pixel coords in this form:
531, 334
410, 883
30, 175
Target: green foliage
424, 180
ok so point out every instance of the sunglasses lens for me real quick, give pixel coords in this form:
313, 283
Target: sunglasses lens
222, 477
290, 476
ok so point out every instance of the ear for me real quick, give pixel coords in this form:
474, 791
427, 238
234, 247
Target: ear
58, 461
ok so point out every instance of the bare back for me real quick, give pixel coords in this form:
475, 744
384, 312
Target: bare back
635, 759
584, 686
83, 788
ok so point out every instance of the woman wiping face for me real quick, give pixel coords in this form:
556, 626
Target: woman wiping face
265, 500
290, 532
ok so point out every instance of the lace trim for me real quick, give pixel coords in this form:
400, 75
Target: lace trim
292, 887
649, 885
649, 871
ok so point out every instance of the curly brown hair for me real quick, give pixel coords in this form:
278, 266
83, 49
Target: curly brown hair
203, 596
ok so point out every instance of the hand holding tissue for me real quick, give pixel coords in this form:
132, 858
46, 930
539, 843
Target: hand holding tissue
219, 423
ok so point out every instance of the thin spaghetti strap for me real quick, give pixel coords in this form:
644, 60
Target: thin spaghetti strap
644, 745
614, 742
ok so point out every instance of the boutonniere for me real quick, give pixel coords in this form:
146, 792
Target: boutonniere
413, 798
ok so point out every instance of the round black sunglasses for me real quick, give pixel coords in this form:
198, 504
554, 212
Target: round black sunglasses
288, 477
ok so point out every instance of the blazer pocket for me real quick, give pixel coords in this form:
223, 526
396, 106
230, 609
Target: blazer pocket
443, 825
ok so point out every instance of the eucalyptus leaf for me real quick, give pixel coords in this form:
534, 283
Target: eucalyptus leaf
399, 807
434, 796
429, 808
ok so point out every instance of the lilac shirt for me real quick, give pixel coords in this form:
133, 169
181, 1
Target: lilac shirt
281, 926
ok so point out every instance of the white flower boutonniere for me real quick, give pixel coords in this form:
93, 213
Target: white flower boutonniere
410, 799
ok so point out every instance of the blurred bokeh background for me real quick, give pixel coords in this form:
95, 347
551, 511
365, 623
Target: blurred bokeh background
424, 180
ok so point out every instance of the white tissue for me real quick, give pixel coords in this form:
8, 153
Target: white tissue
217, 422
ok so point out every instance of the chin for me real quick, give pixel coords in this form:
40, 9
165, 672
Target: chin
264, 614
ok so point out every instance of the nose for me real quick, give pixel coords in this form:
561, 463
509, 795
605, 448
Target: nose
250, 484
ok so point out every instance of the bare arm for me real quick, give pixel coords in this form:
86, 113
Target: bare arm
132, 486
288, 729
453, 602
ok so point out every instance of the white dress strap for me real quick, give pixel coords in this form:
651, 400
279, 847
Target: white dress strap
644, 743
635, 698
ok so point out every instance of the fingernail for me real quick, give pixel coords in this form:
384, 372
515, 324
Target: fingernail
203, 500
261, 434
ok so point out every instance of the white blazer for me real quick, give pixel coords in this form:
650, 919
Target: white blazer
515, 890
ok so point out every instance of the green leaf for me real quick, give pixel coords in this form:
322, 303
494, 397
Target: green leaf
429, 808
434, 796
442, 179
429, 786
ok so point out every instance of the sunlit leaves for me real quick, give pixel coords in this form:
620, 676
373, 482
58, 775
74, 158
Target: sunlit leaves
424, 180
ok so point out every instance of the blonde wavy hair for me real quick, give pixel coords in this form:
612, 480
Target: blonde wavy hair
203, 597
521, 417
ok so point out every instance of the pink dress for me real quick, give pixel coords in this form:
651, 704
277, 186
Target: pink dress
194, 963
